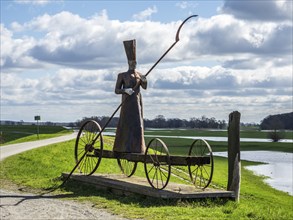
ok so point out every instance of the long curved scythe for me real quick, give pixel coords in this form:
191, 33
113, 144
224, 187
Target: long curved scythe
176, 40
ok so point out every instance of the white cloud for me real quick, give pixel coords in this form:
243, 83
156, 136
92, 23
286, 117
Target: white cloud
75, 66
192, 91
91, 42
66, 86
14, 50
269, 10
186, 4
182, 5
146, 14
227, 38
33, 2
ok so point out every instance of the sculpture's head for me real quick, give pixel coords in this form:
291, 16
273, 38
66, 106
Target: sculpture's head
130, 49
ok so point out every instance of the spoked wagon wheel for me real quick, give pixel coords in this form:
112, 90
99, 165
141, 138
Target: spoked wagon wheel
88, 145
127, 167
157, 165
201, 174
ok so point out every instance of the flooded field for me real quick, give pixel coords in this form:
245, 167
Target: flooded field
221, 139
278, 167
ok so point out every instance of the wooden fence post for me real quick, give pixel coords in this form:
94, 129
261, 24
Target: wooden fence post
234, 163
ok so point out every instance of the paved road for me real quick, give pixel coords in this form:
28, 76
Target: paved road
9, 150
18, 205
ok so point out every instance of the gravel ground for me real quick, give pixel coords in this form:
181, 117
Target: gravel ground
16, 205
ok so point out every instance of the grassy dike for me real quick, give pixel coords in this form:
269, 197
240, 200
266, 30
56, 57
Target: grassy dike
40, 168
13, 134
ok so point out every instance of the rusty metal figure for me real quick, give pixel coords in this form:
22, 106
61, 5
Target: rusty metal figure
134, 88
129, 133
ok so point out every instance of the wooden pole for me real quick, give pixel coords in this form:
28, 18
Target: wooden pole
234, 162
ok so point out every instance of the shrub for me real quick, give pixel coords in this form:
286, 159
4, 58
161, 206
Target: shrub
276, 135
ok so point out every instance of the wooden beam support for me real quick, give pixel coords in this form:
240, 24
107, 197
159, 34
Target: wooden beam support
234, 163
151, 158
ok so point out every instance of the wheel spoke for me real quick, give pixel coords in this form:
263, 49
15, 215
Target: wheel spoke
201, 174
151, 169
164, 173
200, 178
152, 159
205, 171
196, 168
82, 140
196, 176
157, 172
127, 167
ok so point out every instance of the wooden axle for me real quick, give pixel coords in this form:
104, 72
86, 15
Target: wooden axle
152, 158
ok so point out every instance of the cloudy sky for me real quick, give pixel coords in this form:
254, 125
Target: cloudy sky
60, 59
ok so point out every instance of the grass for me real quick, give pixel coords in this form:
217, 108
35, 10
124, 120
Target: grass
178, 146
41, 168
11, 134
213, 133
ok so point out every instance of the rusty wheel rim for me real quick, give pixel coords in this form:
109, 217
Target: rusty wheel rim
201, 174
86, 143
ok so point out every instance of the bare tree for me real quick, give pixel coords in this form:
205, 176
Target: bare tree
276, 134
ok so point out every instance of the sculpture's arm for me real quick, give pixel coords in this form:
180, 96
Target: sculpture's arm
119, 87
119, 84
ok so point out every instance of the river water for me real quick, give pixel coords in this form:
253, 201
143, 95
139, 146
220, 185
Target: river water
221, 139
278, 167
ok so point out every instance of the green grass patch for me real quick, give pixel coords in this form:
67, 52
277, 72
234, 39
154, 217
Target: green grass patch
213, 133
180, 146
12, 134
41, 168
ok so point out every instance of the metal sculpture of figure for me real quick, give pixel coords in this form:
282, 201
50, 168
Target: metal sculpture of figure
130, 131
88, 145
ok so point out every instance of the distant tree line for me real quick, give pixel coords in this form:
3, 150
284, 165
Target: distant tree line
161, 122
203, 122
102, 120
278, 122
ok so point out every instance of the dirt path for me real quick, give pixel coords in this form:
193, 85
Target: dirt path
17, 205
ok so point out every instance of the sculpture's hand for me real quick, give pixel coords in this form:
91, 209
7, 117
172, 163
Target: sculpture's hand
143, 78
129, 91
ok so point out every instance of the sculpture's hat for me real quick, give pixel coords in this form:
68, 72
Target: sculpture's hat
130, 49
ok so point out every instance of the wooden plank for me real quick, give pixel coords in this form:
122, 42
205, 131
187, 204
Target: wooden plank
172, 160
123, 185
185, 161
135, 157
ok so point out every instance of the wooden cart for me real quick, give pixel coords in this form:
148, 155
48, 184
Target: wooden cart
157, 161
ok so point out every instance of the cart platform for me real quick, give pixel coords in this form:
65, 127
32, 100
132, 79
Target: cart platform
121, 185
89, 151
